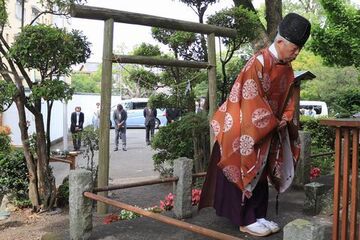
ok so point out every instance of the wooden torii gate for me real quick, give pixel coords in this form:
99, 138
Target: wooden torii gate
109, 16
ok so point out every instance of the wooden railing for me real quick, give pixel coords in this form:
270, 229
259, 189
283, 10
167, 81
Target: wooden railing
69, 159
347, 131
168, 220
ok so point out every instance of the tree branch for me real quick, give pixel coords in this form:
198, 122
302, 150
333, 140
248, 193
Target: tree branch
47, 12
20, 66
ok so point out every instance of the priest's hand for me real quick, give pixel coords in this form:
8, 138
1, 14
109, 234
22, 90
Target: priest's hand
282, 124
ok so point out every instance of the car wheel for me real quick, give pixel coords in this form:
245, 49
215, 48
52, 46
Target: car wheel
157, 123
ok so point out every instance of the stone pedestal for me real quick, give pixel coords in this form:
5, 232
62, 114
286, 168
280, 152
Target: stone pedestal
80, 207
302, 173
183, 170
313, 202
301, 229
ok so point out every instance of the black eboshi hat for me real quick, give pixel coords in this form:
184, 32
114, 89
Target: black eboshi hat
295, 28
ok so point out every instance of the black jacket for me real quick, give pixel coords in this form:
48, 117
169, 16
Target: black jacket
73, 121
150, 116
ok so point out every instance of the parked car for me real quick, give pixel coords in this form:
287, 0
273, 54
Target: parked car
134, 108
321, 109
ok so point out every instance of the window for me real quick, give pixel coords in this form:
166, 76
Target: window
18, 9
139, 105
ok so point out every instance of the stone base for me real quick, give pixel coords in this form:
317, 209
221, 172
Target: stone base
314, 229
314, 193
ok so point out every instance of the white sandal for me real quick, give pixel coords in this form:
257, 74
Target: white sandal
273, 226
256, 229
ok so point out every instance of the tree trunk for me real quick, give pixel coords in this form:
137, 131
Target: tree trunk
202, 36
273, 17
225, 82
48, 122
30, 162
45, 178
263, 39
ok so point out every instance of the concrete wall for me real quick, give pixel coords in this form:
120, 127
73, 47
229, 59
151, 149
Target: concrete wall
87, 102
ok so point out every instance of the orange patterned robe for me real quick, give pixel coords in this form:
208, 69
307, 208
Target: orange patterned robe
245, 126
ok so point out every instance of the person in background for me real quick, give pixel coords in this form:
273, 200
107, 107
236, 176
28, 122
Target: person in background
96, 117
120, 117
172, 114
150, 114
256, 134
312, 111
77, 121
197, 107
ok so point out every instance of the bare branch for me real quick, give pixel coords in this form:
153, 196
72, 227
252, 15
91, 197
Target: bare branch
47, 12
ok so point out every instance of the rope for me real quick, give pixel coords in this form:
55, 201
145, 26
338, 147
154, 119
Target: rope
175, 85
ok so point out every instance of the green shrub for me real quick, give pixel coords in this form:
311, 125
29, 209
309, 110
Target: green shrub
13, 175
322, 136
62, 196
4, 142
178, 140
90, 140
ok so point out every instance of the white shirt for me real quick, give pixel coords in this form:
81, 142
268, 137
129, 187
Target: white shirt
77, 118
272, 49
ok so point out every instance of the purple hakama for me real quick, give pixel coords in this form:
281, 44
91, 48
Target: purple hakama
229, 203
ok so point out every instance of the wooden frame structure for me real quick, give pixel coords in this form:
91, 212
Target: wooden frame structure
159, 217
345, 220
109, 16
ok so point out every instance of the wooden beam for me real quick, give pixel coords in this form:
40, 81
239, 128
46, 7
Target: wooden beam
153, 61
136, 184
96, 13
106, 77
212, 81
341, 122
162, 218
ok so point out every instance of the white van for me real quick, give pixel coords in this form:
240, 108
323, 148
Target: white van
135, 112
320, 108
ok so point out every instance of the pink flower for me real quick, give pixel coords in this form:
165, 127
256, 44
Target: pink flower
195, 196
111, 218
168, 202
314, 173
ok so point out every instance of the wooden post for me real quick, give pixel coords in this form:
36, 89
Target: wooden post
106, 77
337, 169
345, 185
212, 80
342, 191
72, 158
354, 184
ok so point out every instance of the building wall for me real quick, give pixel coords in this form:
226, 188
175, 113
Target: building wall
87, 102
14, 16
32, 9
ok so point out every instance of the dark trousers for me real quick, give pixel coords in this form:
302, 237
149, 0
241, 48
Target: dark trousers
229, 203
76, 137
150, 129
120, 132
